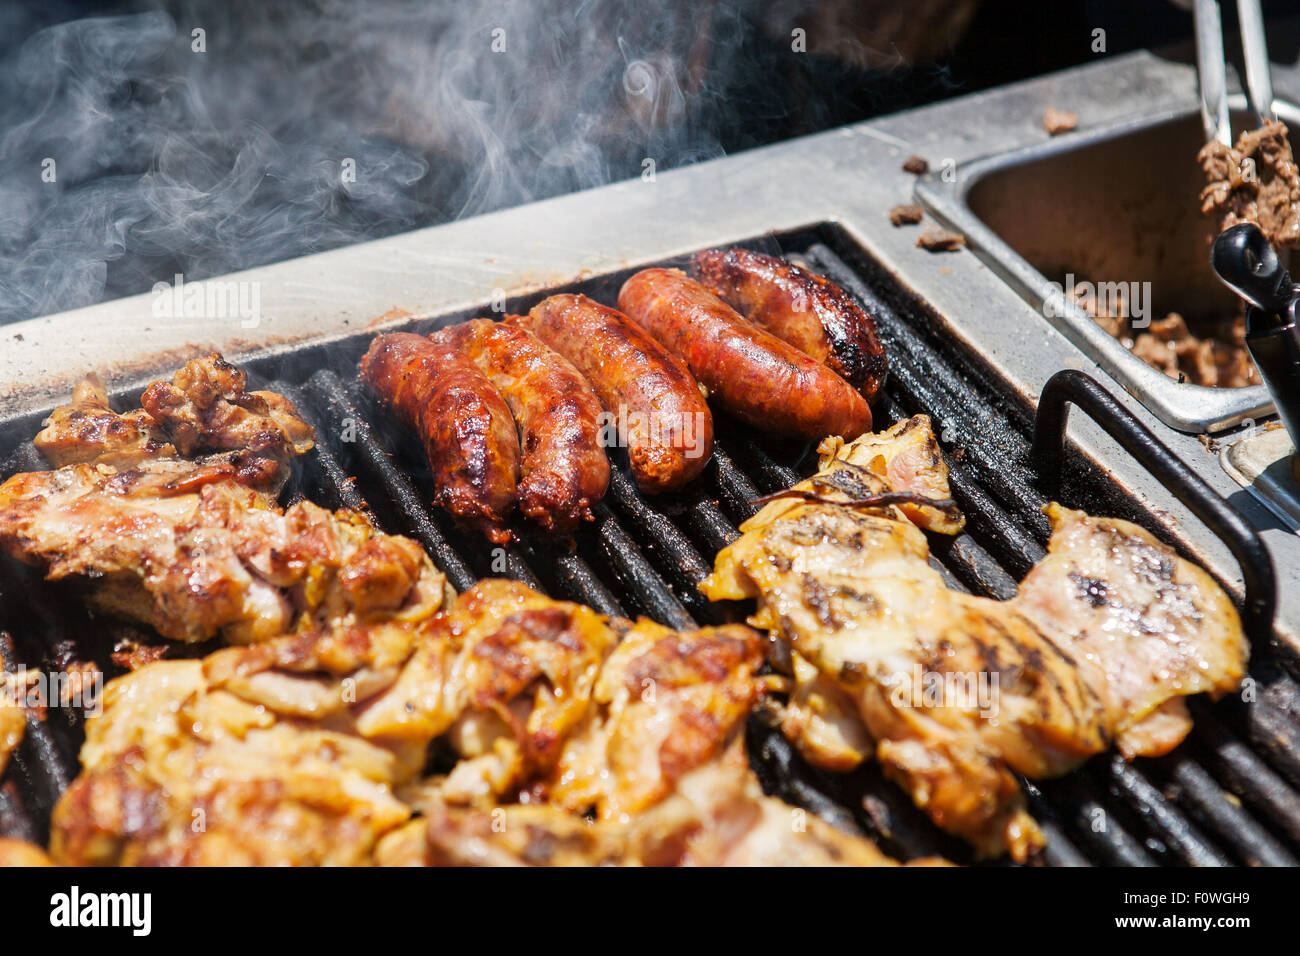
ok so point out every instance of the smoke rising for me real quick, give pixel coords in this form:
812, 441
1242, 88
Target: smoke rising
132, 148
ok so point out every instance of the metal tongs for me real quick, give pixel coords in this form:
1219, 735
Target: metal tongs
1249, 265
1244, 260
1213, 71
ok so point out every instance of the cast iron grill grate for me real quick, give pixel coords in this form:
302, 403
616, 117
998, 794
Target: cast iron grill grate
1229, 795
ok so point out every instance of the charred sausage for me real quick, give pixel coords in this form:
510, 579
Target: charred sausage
660, 413
810, 312
563, 468
756, 376
468, 432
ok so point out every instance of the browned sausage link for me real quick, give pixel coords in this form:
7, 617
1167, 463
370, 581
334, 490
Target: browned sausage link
660, 414
563, 469
810, 312
467, 430
753, 374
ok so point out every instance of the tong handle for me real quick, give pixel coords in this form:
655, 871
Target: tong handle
1212, 71
1249, 265
1254, 50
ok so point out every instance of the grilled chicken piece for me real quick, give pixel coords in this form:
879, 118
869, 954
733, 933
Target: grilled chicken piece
551, 698
194, 546
589, 715
21, 853
204, 409
1145, 627
906, 455
293, 750
961, 692
299, 750
716, 816
821, 719
13, 715
88, 431
666, 702
290, 750
183, 548
285, 752
521, 681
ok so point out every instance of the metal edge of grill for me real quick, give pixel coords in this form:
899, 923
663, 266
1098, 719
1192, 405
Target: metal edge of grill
1230, 794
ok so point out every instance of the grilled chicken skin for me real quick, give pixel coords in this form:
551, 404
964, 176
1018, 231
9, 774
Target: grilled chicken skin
205, 410
520, 682
756, 376
196, 763
957, 693
665, 703
21, 853
13, 715
716, 816
592, 715
468, 433
196, 547
810, 312
1145, 627
194, 558
295, 748
88, 431
661, 415
563, 468
306, 749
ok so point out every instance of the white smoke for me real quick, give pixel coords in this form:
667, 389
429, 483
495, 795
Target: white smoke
126, 156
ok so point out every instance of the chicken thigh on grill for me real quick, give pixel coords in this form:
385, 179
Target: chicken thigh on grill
956, 693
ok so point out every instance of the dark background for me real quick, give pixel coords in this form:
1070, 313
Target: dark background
171, 162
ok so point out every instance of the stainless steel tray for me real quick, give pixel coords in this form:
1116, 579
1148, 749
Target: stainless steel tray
1114, 203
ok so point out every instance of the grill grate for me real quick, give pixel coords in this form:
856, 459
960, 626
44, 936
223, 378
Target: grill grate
1228, 795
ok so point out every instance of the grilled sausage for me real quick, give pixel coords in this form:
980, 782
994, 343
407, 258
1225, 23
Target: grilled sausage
662, 418
467, 430
563, 469
810, 312
753, 374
